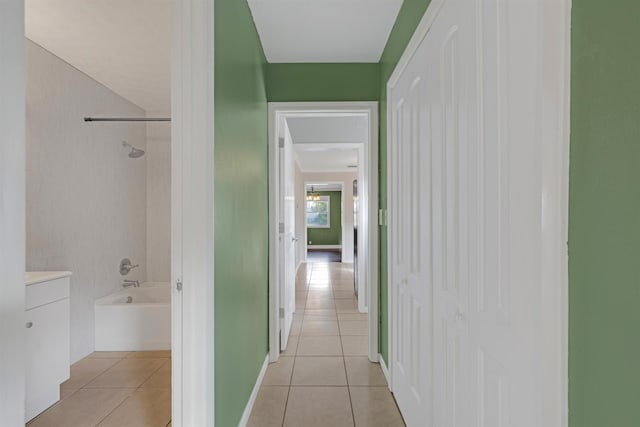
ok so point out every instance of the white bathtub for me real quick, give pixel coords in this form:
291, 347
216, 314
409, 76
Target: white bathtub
134, 319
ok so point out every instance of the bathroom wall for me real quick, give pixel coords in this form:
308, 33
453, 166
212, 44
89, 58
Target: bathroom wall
158, 199
347, 185
86, 199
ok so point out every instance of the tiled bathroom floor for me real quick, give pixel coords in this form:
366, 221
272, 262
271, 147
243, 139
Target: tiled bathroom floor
325, 378
116, 389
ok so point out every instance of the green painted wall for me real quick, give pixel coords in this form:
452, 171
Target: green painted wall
332, 235
604, 215
241, 227
408, 19
323, 82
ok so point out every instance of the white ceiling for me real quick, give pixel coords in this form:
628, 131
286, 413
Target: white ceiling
329, 143
351, 128
324, 31
123, 44
326, 157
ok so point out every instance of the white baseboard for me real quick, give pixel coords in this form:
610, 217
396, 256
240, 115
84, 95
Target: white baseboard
254, 394
385, 370
324, 247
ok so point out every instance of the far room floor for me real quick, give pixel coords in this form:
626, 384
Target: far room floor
324, 255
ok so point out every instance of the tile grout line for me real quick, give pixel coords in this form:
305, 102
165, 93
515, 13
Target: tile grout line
309, 276
102, 388
286, 402
84, 386
129, 396
295, 353
344, 361
114, 409
152, 374
68, 396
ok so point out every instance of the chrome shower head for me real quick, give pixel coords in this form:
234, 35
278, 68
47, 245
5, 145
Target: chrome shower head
135, 152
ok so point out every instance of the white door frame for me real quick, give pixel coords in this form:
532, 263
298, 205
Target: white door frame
554, 137
192, 225
12, 212
278, 111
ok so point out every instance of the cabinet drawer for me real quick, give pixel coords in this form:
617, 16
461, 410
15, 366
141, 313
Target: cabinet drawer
46, 292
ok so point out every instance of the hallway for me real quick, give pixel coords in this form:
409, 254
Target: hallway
325, 378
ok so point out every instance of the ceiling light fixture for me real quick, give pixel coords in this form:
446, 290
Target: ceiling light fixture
312, 196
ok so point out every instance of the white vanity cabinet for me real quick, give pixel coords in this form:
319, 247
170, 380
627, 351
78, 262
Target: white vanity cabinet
47, 326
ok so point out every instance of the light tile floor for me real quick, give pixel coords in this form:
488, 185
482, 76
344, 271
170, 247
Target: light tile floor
119, 389
324, 378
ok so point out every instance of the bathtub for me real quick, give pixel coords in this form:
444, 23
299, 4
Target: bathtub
134, 319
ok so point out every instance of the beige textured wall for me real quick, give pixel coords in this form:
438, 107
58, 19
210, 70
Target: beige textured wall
158, 199
86, 199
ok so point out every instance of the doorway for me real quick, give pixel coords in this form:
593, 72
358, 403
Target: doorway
324, 220
191, 205
282, 120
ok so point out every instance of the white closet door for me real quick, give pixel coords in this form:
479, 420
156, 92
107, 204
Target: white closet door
410, 257
473, 343
288, 238
451, 105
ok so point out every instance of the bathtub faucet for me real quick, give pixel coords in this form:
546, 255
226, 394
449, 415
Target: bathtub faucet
127, 283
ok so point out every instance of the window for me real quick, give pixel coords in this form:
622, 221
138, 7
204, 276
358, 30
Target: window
318, 213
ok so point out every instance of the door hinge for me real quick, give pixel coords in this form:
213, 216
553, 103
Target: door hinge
282, 313
382, 217
281, 142
281, 227
179, 285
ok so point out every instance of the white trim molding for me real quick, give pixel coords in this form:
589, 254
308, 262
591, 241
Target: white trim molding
555, 137
192, 241
563, 205
321, 247
254, 394
419, 35
368, 174
385, 370
12, 212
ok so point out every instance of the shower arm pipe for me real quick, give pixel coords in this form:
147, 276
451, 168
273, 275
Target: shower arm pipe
127, 119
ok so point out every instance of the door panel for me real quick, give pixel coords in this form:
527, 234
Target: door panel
460, 356
288, 237
409, 213
467, 217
